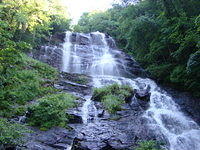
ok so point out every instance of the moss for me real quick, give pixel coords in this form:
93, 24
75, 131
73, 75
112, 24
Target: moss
112, 96
82, 80
77, 78
50, 111
148, 145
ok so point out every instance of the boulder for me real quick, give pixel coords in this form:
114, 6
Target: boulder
143, 94
75, 117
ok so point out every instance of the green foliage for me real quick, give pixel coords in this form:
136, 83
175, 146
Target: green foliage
31, 21
193, 64
161, 35
112, 103
44, 70
50, 111
113, 96
148, 145
159, 71
22, 80
11, 133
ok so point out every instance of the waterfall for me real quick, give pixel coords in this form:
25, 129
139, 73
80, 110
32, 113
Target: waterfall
97, 60
95, 54
67, 52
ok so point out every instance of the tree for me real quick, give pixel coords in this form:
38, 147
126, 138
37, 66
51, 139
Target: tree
162, 35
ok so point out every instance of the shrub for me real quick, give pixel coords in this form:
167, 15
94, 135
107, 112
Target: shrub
113, 96
23, 80
148, 145
112, 103
44, 70
11, 133
50, 111
25, 86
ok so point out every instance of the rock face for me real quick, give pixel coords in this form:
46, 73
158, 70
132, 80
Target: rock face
74, 83
55, 138
187, 103
84, 49
51, 55
151, 114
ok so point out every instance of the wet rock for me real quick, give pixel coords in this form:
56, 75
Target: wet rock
58, 38
83, 39
82, 48
77, 146
75, 117
108, 147
139, 105
188, 104
96, 39
73, 37
76, 78
111, 42
60, 146
101, 113
143, 94
55, 138
51, 55
74, 83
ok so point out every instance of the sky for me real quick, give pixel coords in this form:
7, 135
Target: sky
77, 7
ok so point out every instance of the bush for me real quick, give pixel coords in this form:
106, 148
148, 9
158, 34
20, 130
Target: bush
11, 133
44, 70
112, 103
148, 145
113, 96
22, 80
25, 86
50, 111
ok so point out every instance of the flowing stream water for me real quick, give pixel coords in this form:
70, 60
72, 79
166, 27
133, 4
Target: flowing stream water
95, 54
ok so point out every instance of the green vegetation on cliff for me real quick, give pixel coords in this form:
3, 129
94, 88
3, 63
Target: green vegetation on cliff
113, 96
148, 145
162, 35
24, 26
11, 133
50, 111
22, 80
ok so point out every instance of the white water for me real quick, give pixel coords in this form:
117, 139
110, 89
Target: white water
67, 52
104, 63
163, 115
89, 111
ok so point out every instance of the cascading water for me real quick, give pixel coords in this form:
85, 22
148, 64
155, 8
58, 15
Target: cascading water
66, 52
92, 54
